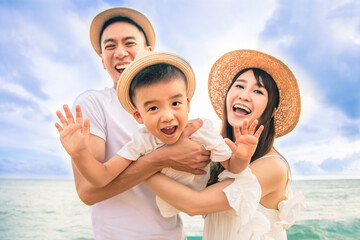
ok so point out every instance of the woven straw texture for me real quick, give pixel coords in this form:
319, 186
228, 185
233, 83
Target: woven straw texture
146, 59
225, 69
101, 18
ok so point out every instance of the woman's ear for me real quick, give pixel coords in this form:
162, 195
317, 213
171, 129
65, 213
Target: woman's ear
138, 117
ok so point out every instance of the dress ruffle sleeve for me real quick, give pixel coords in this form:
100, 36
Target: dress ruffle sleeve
243, 194
289, 209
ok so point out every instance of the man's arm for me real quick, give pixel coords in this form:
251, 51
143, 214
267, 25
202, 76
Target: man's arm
185, 155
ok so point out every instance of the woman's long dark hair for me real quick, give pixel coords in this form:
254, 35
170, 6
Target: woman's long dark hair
267, 137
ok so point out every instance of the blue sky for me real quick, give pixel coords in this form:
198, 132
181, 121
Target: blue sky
46, 60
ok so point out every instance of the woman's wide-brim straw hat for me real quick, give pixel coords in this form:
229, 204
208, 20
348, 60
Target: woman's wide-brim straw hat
226, 67
146, 59
99, 20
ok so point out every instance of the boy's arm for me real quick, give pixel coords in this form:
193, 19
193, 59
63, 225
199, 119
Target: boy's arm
97, 173
185, 155
74, 136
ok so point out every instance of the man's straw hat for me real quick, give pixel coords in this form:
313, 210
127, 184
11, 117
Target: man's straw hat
146, 59
226, 67
99, 20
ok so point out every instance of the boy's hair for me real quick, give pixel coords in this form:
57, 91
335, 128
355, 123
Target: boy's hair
161, 72
121, 19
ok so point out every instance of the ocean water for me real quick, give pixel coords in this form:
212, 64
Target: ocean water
43, 209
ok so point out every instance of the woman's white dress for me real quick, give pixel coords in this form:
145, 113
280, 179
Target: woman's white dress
248, 219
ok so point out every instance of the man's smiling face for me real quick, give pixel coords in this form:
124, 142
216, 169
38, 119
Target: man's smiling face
120, 43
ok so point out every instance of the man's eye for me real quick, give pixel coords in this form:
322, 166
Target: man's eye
153, 109
130, 43
110, 46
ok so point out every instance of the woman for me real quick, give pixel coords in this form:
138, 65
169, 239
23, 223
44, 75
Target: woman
257, 203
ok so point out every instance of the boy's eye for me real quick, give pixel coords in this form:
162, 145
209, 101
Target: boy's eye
177, 103
153, 109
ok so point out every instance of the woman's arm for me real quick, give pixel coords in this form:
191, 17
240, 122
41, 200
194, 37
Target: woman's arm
212, 199
272, 174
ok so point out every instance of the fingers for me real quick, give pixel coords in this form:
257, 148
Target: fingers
68, 114
237, 132
192, 127
58, 127
62, 119
86, 128
231, 144
205, 154
78, 114
202, 164
259, 131
252, 127
244, 129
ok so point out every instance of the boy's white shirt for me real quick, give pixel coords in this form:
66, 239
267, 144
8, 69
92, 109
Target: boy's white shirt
143, 142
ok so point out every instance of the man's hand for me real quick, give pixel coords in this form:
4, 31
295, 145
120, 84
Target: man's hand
186, 155
74, 136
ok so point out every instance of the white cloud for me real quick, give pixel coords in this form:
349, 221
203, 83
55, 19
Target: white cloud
61, 75
322, 132
65, 64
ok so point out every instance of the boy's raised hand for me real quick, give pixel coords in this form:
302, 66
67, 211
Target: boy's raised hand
74, 135
245, 145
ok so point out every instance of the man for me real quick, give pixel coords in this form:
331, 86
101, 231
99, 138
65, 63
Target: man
126, 208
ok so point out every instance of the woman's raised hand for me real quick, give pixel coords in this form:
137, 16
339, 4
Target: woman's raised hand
244, 146
74, 135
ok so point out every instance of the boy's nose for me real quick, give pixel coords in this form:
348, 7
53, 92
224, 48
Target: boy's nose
167, 116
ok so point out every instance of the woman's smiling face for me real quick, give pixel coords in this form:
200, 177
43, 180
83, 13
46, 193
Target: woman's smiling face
246, 99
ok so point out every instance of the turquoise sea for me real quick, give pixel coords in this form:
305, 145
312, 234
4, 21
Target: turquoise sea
50, 209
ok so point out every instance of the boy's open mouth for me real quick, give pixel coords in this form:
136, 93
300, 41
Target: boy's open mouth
169, 130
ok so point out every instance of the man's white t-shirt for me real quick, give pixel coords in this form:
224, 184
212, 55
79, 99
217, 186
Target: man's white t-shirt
133, 214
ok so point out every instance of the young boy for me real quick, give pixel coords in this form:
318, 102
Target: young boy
156, 89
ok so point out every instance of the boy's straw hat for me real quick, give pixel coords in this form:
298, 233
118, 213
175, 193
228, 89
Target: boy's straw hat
146, 59
99, 20
225, 68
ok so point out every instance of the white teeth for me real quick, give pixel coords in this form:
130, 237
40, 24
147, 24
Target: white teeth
121, 66
242, 107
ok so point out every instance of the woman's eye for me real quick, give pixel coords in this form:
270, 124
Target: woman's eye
239, 86
259, 92
153, 109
